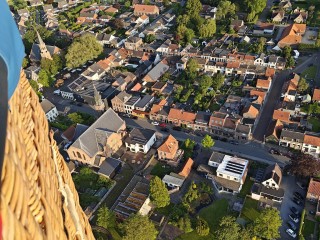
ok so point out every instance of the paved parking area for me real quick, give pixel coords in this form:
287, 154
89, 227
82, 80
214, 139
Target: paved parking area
309, 37
290, 186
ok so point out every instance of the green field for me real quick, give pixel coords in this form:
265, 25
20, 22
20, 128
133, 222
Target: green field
250, 209
194, 236
310, 72
308, 228
315, 124
246, 188
213, 213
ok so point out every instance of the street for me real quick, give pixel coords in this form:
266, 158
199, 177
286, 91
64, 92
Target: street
273, 97
251, 150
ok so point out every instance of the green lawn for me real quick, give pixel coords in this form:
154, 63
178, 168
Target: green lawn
165, 210
127, 175
246, 188
161, 170
194, 236
250, 209
315, 124
213, 213
310, 72
308, 228
115, 234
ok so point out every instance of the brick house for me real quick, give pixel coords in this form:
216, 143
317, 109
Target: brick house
149, 10
169, 151
118, 102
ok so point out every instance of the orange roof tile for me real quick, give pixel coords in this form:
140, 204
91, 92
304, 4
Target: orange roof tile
312, 140
292, 34
316, 95
162, 102
259, 100
270, 72
170, 145
111, 10
144, 17
137, 87
188, 116
314, 187
281, 115
251, 110
146, 8
254, 92
261, 83
69, 133
187, 168
155, 108
233, 64
175, 113
249, 57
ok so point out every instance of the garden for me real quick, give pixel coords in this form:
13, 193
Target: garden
63, 122
250, 210
90, 186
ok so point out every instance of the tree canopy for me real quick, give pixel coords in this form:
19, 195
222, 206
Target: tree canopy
19, 4
192, 69
44, 78
304, 165
193, 7
202, 227
228, 229
303, 85
267, 224
82, 49
82, 118
159, 194
150, 38
225, 8
139, 227
192, 194
207, 141
106, 218
218, 81
208, 29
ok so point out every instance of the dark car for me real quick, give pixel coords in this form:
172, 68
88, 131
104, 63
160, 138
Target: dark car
79, 104
298, 195
233, 142
292, 225
134, 117
297, 201
274, 151
164, 129
177, 128
294, 210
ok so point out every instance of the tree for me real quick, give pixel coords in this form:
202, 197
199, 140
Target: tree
192, 69
290, 62
302, 85
184, 224
192, 194
304, 165
204, 83
236, 83
208, 29
254, 7
82, 118
139, 227
188, 144
225, 8
82, 50
19, 4
218, 81
52, 66
202, 227
286, 52
43, 78
188, 35
313, 108
228, 229
207, 141
118, 23
267, 224
150, 38
127, 4
159, 194
193, 7
106, 218
183, 19
25, 62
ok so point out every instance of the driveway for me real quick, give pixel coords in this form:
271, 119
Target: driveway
289, 185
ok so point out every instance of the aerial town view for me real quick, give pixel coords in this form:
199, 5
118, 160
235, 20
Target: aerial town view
160, 119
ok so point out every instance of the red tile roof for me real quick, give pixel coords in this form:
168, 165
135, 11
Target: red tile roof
170, 145
312, 140
187, 168
314, 187
147, 9
292, 34
281, 115
316, 95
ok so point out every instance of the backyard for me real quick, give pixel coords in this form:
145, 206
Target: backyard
90, 186
315, 124
246, 188
250, 210
310, 72
160, 170
308, 228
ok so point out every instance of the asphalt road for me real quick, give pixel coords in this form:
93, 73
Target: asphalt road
274, 94
251, 150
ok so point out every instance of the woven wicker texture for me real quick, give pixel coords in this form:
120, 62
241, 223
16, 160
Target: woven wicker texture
38, 197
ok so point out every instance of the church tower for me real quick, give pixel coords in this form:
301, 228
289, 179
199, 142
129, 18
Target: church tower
98, 103
43, 48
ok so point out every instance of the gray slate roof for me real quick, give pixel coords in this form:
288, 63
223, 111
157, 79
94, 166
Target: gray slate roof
108, 166
140, 136
95, 136
144, 101
47, 105
292, 134
158, 71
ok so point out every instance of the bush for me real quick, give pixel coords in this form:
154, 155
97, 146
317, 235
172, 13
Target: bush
202, 227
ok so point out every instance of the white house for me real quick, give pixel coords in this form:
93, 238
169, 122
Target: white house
50, 110
311, 144
130, 104
231, 174
140, 140
173, 181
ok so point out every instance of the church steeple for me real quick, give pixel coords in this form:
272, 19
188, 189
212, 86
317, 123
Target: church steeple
43, 48
97, 97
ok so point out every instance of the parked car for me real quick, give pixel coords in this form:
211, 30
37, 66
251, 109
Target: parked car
292, 225
294, 210
298, 195
291, 233
274, 151
301, 185
79, 104
163, 125
297, 201
164, 129
294, 218
177, 128
233, 142
155, 123
312, 212
134, 117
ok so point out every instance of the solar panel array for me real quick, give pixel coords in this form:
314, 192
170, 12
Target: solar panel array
234, 167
